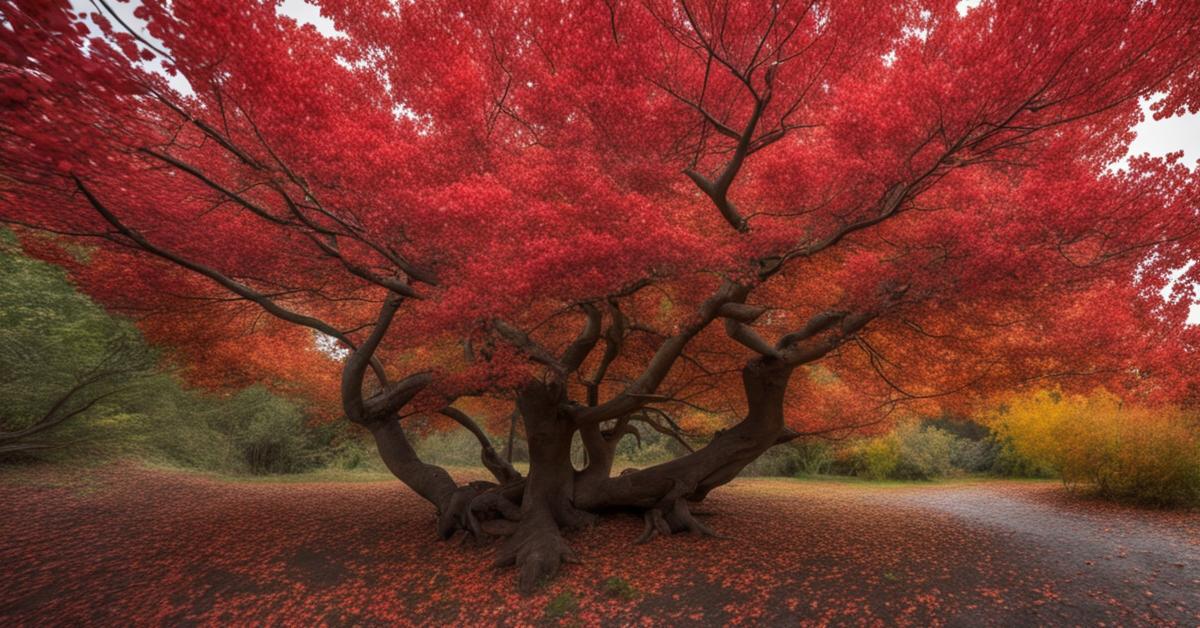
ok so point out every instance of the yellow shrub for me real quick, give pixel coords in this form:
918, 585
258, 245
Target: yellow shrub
1122, 451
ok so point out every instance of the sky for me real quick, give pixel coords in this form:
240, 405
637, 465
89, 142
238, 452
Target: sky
1155, 137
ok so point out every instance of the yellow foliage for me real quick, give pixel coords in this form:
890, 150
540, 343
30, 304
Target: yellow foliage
1123, 451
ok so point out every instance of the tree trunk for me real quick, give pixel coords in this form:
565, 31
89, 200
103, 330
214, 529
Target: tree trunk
537, 547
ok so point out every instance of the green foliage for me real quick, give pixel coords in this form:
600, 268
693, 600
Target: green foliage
654, 448
911, 452
344, 446
63, 360
454, 448
251, 431
793, 459
877, 458
1008, 461
267, 432
54, 340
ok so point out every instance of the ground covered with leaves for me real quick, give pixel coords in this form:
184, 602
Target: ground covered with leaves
126, 544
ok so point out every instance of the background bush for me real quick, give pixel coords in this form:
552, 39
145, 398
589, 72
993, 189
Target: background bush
51, 336
911, 452
1096, 442
793, 459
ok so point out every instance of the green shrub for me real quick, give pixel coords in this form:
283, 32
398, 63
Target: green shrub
793, 459
655, 448
268, 432
345, 447
911, 452
52, 337
1008, 461
456, 447
877, 459
64, 361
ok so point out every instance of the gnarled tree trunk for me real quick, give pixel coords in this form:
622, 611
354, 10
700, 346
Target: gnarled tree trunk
537, 547
556, 498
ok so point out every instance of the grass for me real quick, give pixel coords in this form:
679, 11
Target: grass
857, 481
563, 604
618, 588
13, 473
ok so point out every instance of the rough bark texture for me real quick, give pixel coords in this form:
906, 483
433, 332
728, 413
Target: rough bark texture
537, 548
693, 476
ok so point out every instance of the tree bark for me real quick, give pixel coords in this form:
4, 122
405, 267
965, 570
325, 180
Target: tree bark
537, 547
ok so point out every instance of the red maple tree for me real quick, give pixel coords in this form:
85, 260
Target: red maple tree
794, 213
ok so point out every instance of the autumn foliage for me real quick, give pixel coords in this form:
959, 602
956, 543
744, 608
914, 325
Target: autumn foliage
791, 217
1097, 442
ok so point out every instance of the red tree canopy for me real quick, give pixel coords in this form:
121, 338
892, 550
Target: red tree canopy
507, 167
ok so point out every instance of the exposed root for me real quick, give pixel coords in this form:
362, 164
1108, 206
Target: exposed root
682, 518
572, 518
473, 505
453, 516
655, 524
537, 549
498, 527
678, 519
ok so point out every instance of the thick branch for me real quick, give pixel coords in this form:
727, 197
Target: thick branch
638, 393
578, 350
749, 338
356, 365
500, 469
528, 346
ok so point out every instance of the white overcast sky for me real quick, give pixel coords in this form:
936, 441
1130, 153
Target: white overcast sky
1156, 137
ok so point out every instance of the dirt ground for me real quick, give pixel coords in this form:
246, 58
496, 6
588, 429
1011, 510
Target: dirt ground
127, 545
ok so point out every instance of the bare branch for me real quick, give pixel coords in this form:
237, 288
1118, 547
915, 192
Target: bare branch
501, 469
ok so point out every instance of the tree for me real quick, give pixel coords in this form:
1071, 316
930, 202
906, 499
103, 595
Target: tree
61, 356
611, 214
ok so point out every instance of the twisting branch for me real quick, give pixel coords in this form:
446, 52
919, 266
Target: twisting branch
356, 365
671, 431
738, 317
641, 390
747, 337
614, 338
817, 324
500, 468
828, 330
717, 190
183, 166
578, 350
528, 346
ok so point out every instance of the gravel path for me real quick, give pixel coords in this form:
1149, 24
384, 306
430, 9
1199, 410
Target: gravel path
1145, 561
